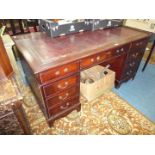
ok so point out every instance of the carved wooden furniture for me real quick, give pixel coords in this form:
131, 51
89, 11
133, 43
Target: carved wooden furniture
5, 66
52, 65
12, 115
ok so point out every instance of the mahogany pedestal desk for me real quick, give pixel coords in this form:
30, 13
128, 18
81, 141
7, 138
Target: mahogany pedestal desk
52, 65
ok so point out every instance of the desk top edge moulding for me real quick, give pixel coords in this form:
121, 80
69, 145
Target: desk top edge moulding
52, 65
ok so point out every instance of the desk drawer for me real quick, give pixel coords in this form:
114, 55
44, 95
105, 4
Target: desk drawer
61, 97
139, 43
102, 56
120, 50
95, 59
128, 72
58, 72
60, 85
135, 55
60, 108
131, 64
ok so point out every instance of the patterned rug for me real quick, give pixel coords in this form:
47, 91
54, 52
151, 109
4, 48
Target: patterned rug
107, 115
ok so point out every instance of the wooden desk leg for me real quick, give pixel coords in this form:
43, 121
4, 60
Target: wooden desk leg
21, 117
148, 58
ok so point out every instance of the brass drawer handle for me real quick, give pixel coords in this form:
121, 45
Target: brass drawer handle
132, 64
63, 87
98, 58
65, 107
66, 70
135, 55
117, 51
57, 72
129, 72
92, 59
64, 97
122, 49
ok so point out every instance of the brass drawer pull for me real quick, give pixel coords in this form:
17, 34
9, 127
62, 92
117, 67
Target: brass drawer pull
122, 49
98, 58
57, 72
66, 70
117, 51
64, 97
92, 59
63, 87
65, 107
129, 72
135, 55
132, 64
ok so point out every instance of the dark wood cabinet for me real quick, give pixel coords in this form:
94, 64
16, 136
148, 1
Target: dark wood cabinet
52, 65
5, 66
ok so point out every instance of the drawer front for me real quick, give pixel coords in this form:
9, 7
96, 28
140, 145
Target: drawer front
60, 108
139, 44
135, 55
58, 72
130, 68
62, 97
95, 59
131, 64
120, 50
134, 59
60, 85
128, 73
102, 56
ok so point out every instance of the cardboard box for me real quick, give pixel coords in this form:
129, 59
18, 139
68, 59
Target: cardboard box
100, 85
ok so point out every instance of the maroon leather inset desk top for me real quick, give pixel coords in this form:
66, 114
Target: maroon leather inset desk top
43, 52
